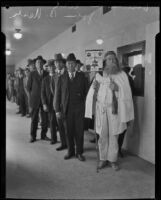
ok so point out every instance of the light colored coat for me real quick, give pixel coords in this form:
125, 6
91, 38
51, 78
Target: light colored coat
103, 100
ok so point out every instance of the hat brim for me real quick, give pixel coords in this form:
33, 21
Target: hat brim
71, 60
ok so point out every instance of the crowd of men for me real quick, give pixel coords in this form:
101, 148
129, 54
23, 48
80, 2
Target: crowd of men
53, 93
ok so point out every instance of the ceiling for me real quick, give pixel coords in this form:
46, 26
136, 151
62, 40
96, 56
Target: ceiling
38, 25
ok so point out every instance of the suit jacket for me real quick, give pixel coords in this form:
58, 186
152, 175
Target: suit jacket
62, 92
25, 80
34, 88
48, 91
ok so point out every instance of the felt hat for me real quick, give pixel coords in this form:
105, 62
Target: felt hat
79, 62
71, 57
50, 63
59, 57
40, 58
30, 62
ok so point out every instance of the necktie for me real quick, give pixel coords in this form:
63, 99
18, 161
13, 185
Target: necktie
71, 75
59, 73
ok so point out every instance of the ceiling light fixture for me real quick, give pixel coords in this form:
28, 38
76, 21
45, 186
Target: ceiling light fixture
99, 41
18, 34
8, 52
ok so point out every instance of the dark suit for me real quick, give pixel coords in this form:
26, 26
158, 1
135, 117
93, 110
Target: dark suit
34, 88
22, 95
47, 98
61, 121
70, 101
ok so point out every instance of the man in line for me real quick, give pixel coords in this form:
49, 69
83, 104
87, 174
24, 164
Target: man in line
78, 65
70, 104
47, 99
34, 88
21, 92
25, 80
60, 70
31, 64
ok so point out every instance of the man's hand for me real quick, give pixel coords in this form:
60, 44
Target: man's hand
114, 86
95, 84
45, 108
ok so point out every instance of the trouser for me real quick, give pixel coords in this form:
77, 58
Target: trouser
22, 103
107, 143
75, 129
27, 103
62, 126
121, 139
34, 122
52, 123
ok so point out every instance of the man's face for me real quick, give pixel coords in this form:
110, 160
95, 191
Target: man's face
78, 66
59, 64
32, 67
39, 65
51, 69
27, 73
71, 66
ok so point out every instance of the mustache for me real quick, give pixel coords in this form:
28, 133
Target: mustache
112, 69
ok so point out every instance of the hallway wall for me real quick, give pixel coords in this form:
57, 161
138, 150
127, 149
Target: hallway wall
119, 27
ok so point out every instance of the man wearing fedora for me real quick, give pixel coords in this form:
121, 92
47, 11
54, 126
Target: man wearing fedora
31, 64
78, 65
34, 88
21, 92
47, 96
25, 80
60, 70
70, 103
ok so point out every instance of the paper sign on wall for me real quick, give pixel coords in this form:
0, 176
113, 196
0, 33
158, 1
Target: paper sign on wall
94, 59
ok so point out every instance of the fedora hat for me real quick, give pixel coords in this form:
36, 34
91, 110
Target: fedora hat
50, 62
30, 62
40, 58
79, 62
71, 57
59, 57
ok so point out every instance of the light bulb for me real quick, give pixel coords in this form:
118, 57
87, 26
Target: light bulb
8, 52
99, 41
18, 35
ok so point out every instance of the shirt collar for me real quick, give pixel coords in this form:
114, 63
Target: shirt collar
70, 74
40, 72
61, 71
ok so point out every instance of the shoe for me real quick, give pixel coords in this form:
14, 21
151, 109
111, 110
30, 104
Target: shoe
102, 164
32, 140
22, 115
80, 157
18, 112
45, 138
53, 142
115, 166
28, 116
68, 156
61, 148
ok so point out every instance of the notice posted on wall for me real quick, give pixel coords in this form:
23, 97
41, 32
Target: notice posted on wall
94, 60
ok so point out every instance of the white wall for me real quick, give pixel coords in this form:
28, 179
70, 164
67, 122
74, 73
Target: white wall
119, 27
